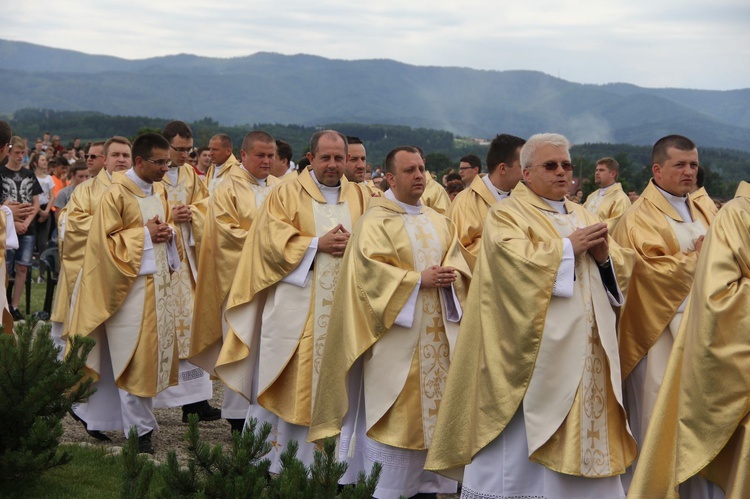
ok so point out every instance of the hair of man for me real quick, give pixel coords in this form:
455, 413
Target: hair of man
5, 133
117, 140
700, 177
503, 149
256, 136
315, 139
454, 186
61, 161
473, 161
390, 159
78, 166
201, 150
453, 177
175, 128
226, 140
97, 143
535, 141
351, 139
143, 145
659, 152
284, 150
17, 141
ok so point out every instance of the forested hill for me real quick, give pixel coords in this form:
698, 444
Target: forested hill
310, 90
726, 166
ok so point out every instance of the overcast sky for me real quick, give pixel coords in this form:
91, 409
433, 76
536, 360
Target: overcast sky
651, 43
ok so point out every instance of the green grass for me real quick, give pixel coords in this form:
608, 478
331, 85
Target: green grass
92, 473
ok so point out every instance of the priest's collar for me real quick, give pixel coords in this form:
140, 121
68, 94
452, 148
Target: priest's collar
498, 193
146, 187
603, 190
410, 209
330, 193
558, 206
261, 181
173, 174
679, 203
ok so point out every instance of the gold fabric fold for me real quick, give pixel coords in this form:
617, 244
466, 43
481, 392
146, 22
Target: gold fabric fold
702, 199
211, 182
468, 211
435, 197
700, 422
501, 331
662, 275
609, 207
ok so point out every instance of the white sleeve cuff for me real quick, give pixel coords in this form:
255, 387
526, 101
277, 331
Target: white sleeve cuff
405, 318
563, 287
173, 256
453, 311
299, 276
148, 262
11, 237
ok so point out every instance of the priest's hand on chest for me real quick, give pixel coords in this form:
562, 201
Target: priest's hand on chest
160, 231
591, 239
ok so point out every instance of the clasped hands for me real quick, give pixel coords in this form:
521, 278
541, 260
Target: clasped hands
437, 277
160, 231
181, 213
591, 239
334, 241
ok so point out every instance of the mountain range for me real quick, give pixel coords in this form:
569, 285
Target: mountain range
310, 90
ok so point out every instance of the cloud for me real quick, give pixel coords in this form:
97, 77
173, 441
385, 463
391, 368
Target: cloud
681, 43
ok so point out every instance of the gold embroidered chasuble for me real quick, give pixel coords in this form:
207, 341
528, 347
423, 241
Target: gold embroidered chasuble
435, 197
662, 275
190, 191
702, 199
468, 211
284, 324
508, 349
233, 208
405, 368
701, 422
610, 206
135, 311
213, 182
78, 216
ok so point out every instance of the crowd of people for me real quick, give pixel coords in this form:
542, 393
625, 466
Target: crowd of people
489, 331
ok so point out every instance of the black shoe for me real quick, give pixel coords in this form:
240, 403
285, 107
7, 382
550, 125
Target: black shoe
144, 444
203, 409
17, 315
237, 424
92, 433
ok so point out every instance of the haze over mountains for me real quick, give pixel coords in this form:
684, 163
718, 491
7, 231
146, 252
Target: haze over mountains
311, 90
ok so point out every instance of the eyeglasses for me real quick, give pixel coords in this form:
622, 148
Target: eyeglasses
552, 166
181, 149
93, 156
159, 162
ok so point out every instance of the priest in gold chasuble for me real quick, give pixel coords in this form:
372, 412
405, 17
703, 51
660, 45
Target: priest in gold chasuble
533, 406
222, 160
435, 196
470, 207
666, 230
185, 192
393, 324
279, 306
609, 201
699, 427
233, 208
124, 298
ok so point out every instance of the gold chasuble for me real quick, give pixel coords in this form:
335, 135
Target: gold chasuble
468, 211
405, 368
213, 178
702, 199
232, 210
701, 422
556, 355
135, 312
663, 272
79, 213
189, 191
609, 206
281, 324
435, 197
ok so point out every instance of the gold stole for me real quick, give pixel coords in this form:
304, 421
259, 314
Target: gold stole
141, 361
596, 201
586, 443
292, 367
409, 421
183, 281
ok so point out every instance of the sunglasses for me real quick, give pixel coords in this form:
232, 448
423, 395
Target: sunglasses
552, 166
93, 156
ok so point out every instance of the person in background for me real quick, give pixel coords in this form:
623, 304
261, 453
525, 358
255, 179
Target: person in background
38, 165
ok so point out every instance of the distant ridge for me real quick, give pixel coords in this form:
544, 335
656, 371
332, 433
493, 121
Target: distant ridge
310, 90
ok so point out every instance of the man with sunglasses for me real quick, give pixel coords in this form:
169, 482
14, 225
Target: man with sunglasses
533, 405
124, 299
187, 194
95, 158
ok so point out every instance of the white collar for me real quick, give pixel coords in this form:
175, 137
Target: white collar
679, 203
498, 193
146, 187
410, 209
558, 206
330, 193
261, 181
